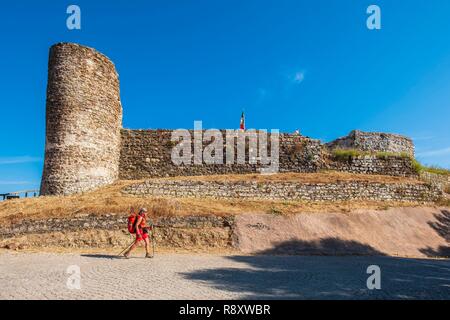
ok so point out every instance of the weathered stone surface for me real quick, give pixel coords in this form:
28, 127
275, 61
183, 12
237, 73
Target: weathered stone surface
440, 180
84, 117
93, 231
147, 153
338, 191
372, 164
374, 141
110, 222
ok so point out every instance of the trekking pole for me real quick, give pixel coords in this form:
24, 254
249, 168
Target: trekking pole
126, 249
153, 239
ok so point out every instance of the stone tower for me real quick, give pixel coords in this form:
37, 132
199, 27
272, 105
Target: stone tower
83, 121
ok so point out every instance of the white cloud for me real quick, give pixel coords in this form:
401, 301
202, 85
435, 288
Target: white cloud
21, 159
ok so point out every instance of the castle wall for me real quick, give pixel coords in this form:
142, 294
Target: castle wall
86, 146
84, 117
147, 153
372, 164
109, 230
442, 181
374, 142
335, 191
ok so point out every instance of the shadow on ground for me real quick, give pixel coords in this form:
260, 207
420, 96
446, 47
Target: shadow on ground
266, 276
326, 246
102, 256
442, 228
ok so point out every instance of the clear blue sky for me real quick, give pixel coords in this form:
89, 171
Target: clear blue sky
310, 64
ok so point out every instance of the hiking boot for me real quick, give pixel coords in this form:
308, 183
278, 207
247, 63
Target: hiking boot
148, 255
126, 255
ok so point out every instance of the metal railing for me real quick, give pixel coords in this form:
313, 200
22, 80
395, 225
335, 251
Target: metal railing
17, 194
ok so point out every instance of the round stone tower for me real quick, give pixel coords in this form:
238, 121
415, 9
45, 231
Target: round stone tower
83, 121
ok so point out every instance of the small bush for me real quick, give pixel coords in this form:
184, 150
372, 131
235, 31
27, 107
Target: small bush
416, 166
385, 155
164, 207
419, 168
437, 170
273, 210
345, 154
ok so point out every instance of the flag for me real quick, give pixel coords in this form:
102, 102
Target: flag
242, 124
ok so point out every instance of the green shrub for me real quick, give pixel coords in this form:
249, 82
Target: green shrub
416, 166
419, 168
437, 170
345, 154
385, 155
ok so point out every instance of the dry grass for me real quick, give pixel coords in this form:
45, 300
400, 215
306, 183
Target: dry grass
447, 189
111, 200
320, 177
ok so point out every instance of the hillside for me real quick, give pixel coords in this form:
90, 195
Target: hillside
111, 199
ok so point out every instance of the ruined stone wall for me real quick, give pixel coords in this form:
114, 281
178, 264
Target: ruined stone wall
372, 164
109, 230
86, 146
83, 122
442, 181
336, 191
374, 142
147, 153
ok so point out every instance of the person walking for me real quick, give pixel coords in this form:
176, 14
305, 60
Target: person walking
140, 229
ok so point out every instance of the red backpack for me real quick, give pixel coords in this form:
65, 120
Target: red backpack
131, 222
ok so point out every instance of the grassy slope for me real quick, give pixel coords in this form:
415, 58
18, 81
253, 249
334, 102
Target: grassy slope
111, 200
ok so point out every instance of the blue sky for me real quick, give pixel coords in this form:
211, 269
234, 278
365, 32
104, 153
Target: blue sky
311, 65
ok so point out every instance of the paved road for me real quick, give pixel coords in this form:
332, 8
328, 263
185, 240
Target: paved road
181, 276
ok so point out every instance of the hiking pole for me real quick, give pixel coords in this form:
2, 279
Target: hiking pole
126, 249
151, 237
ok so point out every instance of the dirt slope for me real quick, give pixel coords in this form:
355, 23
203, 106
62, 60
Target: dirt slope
414, 232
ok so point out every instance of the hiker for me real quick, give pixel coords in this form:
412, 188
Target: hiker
137, 225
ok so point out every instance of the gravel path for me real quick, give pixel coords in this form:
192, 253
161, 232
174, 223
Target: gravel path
182, 276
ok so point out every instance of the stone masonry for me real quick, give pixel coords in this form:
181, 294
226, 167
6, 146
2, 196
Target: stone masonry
147, 154
374, 142
84, 117
372, 164
336, 191
109, 230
